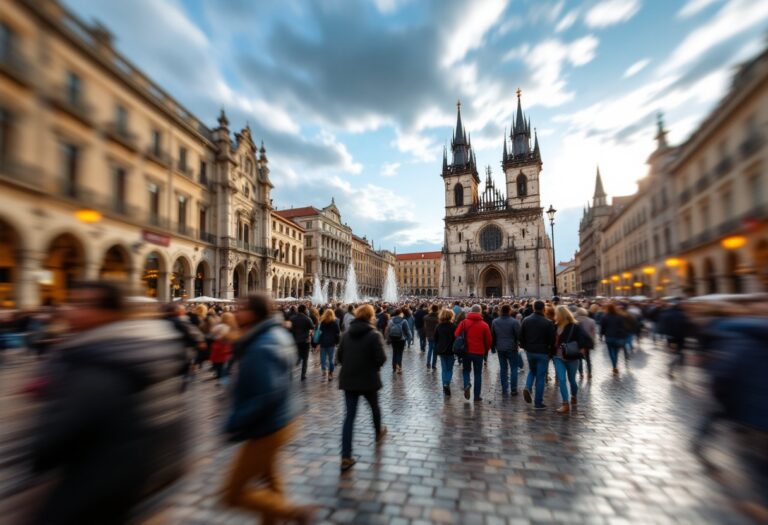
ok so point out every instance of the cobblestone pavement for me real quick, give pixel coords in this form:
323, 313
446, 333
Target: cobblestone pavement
622, 457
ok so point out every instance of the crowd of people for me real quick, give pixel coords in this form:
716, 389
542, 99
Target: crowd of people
125, 370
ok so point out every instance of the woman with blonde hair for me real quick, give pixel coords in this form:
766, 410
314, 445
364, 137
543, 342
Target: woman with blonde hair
570, 344
361, 356
444, 338
328, 338
223, 336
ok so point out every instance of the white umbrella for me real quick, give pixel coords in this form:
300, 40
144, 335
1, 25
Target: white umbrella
203, 299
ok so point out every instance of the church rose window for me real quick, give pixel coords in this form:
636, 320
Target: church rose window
490, 238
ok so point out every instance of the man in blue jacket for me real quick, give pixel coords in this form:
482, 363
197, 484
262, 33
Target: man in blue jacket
263, 414
505, 331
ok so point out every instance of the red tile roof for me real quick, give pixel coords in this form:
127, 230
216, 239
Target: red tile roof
290, 222
298, 212
418, 256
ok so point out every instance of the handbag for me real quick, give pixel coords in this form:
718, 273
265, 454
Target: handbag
571, 349
460, 343
316, 336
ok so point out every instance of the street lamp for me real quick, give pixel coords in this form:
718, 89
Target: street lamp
551, 214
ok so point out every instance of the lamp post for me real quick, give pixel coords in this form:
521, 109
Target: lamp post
551, 214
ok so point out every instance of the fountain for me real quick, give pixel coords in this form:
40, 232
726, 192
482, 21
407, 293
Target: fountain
351, 294
324, 292
318, 295
390, 286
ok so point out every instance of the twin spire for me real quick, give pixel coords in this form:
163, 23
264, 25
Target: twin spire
520, 137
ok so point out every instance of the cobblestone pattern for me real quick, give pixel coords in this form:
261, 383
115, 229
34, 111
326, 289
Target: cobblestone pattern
622, 457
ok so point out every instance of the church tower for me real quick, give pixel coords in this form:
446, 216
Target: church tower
522, 166
460, 176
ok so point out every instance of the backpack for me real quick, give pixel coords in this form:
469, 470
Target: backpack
396, 331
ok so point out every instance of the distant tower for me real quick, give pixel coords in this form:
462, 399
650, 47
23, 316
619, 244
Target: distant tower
460, 176
599, 199
522, 166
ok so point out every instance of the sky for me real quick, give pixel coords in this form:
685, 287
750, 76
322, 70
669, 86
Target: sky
356, 99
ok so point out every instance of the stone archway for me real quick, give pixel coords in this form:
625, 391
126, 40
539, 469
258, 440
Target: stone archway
709, 276
9, 266
733, 273
181, 279
116, 264
491, 283
239, 281
203, 280
154, 276
64, 264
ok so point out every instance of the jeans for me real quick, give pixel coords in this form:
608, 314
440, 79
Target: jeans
257, 461
520, 363
351, 399
537, 370
474, 362
326, 357
397, 353
628, 346
218, 369
614, 345
567, 369
446, 365
422, 338
589, 363
303, 357
431, 354
507, 368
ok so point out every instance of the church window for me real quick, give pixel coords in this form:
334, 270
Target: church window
459, 236
490, 238
522, 185
522, 232
458, 194
527, 277
459, 278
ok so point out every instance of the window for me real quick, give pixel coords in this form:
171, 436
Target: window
459, 236
154, 203
458, 195
203, 172
7, 37
6, 129
121, 118
182, 158
157, 142
74, 88
727, 204
202, 222
705, 215
69, 165
182, 213
755, 189
490, 238
308, 224
118, 178
522, 185
308, 238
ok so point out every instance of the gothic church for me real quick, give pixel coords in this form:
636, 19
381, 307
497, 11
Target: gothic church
495, 244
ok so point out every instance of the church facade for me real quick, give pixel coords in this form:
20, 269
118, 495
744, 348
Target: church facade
495, 241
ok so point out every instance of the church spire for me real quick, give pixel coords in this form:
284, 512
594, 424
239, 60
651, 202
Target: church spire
600, 198
536, 143
521, 131
661, 133
504, 155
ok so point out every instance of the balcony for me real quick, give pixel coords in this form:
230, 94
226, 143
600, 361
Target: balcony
158, 156
729, 226
685, 196
121, 136
208, 237
185, 170
17, 173
724, 166
751, 145
703, 183
74, 107
184, 229
16, 67
157, 221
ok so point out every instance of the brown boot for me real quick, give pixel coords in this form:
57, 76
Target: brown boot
564, 409
574, 402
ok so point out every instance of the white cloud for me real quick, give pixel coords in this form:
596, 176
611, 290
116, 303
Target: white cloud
470, 28
568, 20
388, 6
735, 17
636, 68
694, 7
422, 147
611, 12
348, 164
389, 169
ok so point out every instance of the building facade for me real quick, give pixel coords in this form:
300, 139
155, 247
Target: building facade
419, 273
370, 267
327, 246
104, 174
288, 264
495, 244
566, 278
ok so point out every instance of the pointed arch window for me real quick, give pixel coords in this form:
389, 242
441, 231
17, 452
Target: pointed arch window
458, 194
522, 185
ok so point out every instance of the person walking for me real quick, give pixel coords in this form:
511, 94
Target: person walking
408, 316
566, 365
348, 317
477, 338
589, 327
443, 344
537, 337
676, 327
110, 430
398, 332
613, 328
505, 331
431, 321
223, 336
330, 335
361, 356
418, 324
301, 329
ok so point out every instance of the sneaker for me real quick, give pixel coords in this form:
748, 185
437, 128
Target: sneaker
399, 369
466, 391
347, 463
540, 407
564, 408
381, 433
527, 396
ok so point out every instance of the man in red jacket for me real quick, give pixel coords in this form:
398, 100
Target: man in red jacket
477, 337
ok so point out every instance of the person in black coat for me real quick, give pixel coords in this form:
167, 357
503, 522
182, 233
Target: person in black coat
301, 328
330, 335
444, 338
361, 356
613, 328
